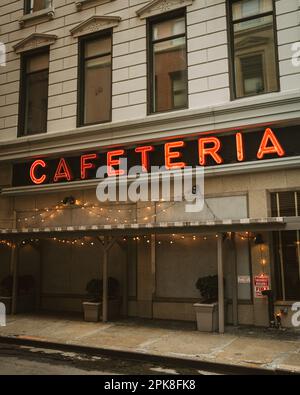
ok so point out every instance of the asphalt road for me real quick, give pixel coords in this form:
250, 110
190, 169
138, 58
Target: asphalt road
20, 360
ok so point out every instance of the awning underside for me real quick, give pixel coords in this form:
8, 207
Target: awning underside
211, 226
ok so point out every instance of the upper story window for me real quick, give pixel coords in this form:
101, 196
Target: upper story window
254, 52
34, 93
36, 5
168, 63
95, 94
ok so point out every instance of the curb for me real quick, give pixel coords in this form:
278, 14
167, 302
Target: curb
216, 367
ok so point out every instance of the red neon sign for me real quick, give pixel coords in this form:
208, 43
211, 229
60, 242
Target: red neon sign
111, 163
239, 147
33, 167
144, 151
85, 165
207, 149
266, 149
62, 172
212, 151
170, 155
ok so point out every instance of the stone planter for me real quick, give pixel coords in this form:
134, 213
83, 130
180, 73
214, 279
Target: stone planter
91, 311
207, 317
7, 301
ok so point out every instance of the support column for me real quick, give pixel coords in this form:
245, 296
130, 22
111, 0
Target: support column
153, 267
235, 313
105, 282
125, 283
14, 266
107, 244
221, 284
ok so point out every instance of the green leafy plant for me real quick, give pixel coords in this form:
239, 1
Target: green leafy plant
208, 287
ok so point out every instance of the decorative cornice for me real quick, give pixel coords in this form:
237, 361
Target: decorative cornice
156, 7
35, 40
47, 13
81, 3
95, 24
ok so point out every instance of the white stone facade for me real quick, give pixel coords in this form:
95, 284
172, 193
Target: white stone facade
210, 108
208, 60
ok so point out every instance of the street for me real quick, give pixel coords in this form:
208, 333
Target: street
20, 360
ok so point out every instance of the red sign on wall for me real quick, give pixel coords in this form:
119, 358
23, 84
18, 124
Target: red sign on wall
261, 283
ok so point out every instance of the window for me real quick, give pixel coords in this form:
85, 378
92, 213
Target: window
34, 93
168, 64
287, 247
255, 69
36, 5
95, 80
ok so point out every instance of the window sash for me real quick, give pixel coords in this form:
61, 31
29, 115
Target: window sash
152, 54
36, 5
89, 62
270, 70
38, 76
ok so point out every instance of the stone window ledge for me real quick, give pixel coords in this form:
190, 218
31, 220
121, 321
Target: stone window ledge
81, 3
47, 13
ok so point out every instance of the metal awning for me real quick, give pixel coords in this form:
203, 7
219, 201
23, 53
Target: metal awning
210, 226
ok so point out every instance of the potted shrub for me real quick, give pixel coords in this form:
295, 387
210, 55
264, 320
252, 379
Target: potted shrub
92, 306
6, 293
207, 310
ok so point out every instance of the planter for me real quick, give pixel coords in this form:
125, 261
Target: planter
91, 311
7, 301
207, 317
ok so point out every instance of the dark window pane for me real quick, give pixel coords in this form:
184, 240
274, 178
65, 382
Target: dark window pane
96, 99
36, 103
277, 265
98, 90
254, 48
274, 206
36, 5
37, 63
98, 47
170, 74
252, 74
290, 252
255, 65
287, 203
170, 28
35, 93
247, 8
179, 91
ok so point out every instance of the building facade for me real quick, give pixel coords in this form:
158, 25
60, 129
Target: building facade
87, 82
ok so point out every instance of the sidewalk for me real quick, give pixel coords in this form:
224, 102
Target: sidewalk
251, 347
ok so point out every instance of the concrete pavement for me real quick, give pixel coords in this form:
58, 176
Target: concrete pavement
250, 347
